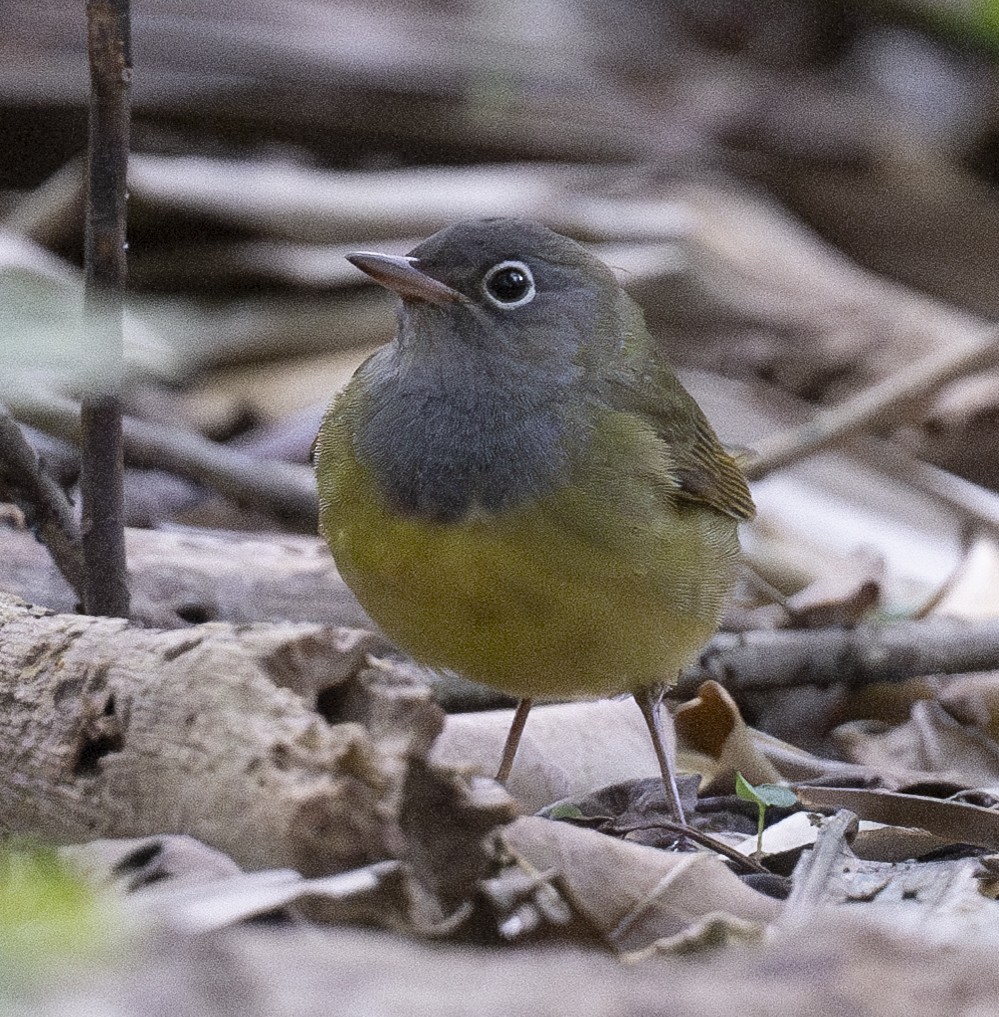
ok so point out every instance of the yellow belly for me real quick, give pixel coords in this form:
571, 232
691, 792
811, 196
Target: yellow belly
606, 586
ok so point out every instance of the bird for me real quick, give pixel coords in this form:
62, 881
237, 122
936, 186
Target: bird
518, 488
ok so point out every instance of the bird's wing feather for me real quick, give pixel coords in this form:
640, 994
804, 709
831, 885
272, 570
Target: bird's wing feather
707, 473
703, 470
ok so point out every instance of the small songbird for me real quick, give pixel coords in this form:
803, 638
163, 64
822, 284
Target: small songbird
518, 488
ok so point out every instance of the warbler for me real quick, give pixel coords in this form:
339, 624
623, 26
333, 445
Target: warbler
518, 488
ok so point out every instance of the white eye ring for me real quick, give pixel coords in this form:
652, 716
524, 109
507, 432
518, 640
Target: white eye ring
519, 290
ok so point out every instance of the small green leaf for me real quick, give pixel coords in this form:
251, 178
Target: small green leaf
565, 811
777, 795
746, 791
763, 795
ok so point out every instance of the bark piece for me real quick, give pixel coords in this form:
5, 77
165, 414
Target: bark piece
109, 730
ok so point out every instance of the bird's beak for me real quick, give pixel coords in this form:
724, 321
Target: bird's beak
402, 275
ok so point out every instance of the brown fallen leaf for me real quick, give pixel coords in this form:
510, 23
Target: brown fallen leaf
444, 820
712, 726
885, 843
958, 432
973, 700
841, 597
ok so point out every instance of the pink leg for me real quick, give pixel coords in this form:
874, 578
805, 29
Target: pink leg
648, 702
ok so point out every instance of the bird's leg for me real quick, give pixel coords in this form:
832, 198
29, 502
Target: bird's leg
513, 738
648, 700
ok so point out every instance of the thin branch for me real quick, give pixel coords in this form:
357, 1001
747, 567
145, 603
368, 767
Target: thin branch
976, 505
284, 489
877, 405
745, 863
767, 659
102, 465
894, 652
47, 511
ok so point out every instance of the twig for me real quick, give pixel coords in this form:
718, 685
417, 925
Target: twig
859, 656
879, 404
105, 589
25, 482
976, 505
286, 490
766, 659
746, 863
814, 871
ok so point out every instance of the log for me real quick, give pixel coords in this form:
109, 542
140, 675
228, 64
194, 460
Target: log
246, 737
180, 576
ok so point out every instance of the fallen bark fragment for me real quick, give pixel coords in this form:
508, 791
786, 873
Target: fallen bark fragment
109, 730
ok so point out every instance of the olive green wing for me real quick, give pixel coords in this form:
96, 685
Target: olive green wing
703, 470
709, 474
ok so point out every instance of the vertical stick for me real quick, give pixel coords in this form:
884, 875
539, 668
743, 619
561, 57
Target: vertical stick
513, 738
101, 482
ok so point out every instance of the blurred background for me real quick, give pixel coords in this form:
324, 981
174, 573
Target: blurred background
800, 193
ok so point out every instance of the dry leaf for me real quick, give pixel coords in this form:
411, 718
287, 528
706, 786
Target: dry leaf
955, 822
443, 822
632, 894
931, 744
841, 597
974, 590
712, 727
973, 700
140, 862
939, 900
566, 750
789, 834
884, 843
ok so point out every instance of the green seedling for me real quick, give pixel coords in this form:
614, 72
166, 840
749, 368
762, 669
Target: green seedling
763, 795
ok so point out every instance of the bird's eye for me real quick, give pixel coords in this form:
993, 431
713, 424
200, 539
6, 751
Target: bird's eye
509, 284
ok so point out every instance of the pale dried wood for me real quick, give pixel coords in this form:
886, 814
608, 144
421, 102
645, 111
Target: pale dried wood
180, 576
863, 655
110, 730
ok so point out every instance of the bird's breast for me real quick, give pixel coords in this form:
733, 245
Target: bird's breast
448, 452
599, 582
